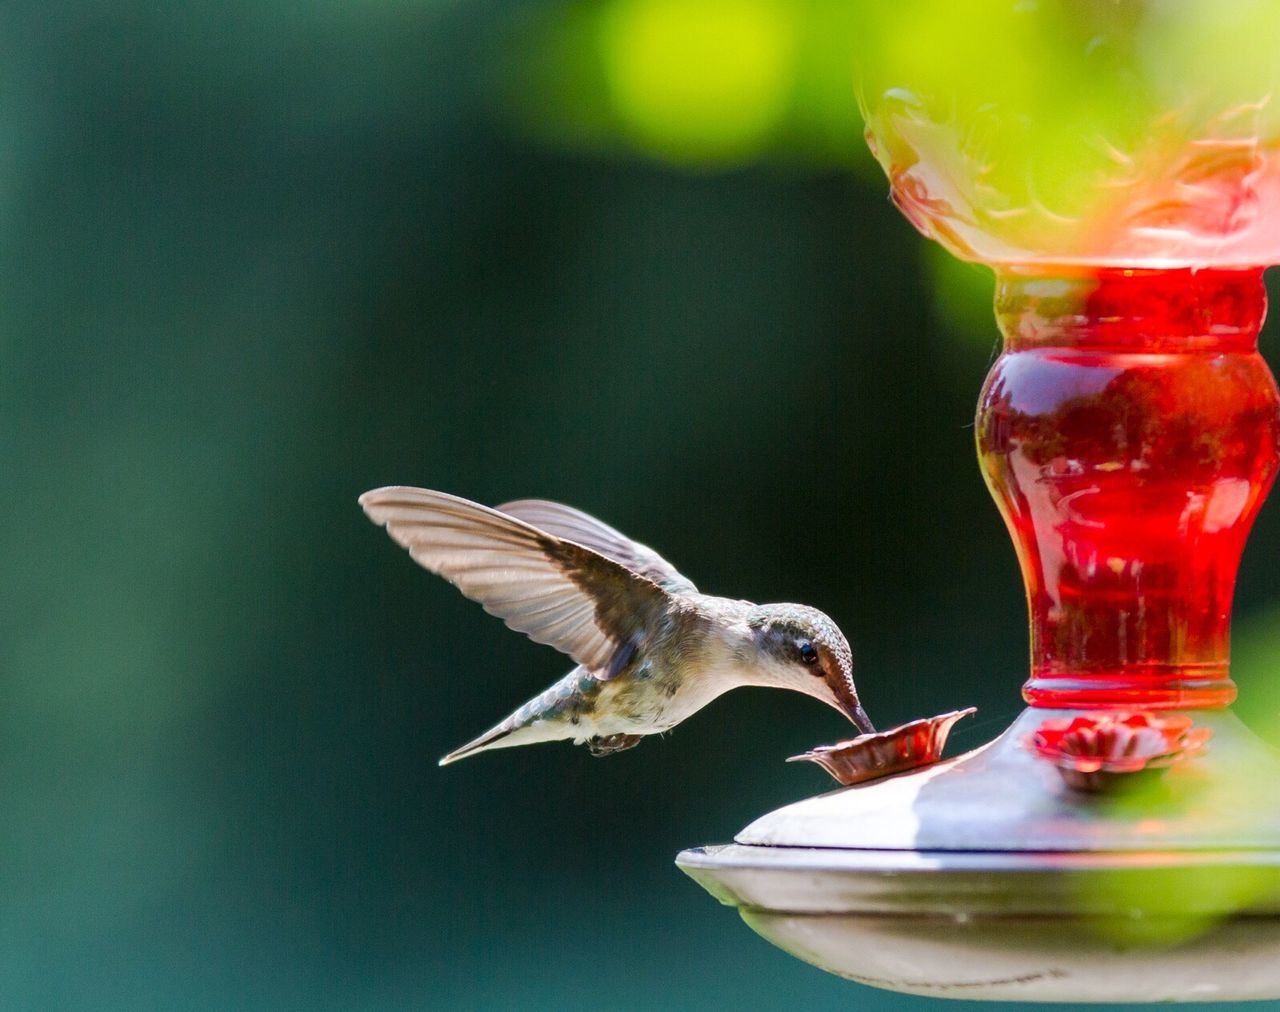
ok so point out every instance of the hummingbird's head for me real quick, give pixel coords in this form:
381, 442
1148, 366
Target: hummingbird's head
801, 648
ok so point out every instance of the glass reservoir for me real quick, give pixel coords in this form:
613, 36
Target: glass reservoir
1118, 165
1129, 434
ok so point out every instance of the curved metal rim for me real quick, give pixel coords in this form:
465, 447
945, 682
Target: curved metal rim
988, 883
742, 855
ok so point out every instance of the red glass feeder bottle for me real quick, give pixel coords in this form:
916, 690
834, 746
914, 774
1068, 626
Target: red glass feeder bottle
1129, 435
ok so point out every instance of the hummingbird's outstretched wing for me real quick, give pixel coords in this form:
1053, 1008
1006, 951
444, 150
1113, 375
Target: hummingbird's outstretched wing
554, 591
574, 525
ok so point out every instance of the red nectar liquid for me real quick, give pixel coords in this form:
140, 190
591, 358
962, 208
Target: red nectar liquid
1129, 435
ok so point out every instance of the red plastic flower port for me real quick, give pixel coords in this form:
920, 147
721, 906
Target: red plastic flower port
1095, 753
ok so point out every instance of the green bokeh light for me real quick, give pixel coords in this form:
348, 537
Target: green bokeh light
700, 84
699, 79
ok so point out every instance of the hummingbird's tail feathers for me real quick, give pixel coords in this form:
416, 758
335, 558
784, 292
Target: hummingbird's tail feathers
510, 733
489, 739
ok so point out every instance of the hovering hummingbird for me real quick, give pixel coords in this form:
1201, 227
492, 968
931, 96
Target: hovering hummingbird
650, 649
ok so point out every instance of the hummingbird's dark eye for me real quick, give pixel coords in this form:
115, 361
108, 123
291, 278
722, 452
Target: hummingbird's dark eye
807, 653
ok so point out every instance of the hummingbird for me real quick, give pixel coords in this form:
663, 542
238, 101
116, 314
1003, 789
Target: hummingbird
650, 649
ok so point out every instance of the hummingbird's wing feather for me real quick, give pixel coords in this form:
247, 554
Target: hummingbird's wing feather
554, 591
574, 525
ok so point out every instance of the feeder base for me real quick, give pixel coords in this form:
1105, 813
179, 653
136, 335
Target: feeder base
985, 877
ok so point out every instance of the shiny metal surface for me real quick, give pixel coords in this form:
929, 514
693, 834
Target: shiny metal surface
1001, 797
1140, 927
986, 877
1031, 960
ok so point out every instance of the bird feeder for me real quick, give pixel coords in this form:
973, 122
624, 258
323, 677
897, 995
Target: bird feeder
1118, 165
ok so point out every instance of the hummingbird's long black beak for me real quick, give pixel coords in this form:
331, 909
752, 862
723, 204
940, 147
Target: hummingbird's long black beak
859, 716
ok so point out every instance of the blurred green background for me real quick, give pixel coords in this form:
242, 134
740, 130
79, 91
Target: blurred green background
257, 257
